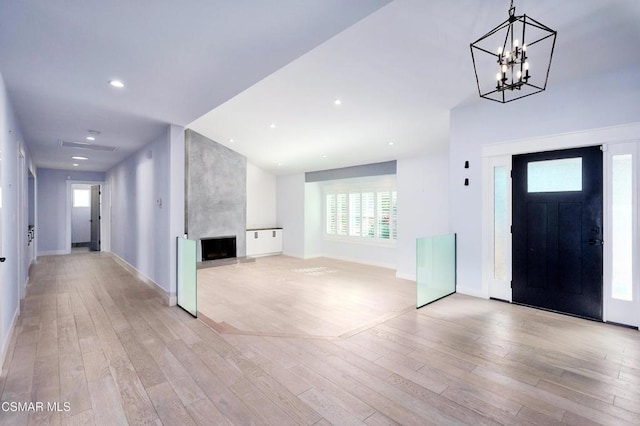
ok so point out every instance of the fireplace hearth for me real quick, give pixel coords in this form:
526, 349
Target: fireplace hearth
218, 248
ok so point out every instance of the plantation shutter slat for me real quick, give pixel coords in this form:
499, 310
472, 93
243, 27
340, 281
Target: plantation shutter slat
343, 214
355, 215
384, 215
331, 214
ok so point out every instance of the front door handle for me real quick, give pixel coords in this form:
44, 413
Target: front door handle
595, 242
2, 259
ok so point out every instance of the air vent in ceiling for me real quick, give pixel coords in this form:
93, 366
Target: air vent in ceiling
90, 146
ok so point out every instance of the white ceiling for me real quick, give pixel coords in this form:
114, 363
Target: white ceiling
178, 59
398, 72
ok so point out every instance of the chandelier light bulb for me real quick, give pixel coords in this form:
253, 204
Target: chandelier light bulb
516, 43
500, 50
526, 65
504, 68
499, 76
519, 74
524, 47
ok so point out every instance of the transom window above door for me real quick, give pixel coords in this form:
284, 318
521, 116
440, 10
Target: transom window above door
562, 175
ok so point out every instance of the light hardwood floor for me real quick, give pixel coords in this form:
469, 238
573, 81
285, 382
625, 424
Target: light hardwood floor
290, 297
92, 335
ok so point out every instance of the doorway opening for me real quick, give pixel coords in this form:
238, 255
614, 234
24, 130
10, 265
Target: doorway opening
85, 217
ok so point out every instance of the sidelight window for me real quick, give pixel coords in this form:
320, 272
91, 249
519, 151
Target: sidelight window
622, 227
500, 224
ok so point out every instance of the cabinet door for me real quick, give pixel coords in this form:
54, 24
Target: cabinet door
277, 240
252, 243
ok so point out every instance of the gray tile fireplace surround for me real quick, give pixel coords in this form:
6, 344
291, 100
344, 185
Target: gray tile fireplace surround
216, 191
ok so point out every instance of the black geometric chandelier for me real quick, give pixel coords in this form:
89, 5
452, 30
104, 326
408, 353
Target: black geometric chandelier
501, 62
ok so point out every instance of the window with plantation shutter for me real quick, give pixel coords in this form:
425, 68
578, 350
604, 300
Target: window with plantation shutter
394, 215
361, 215
368, 215
355, 215
343, 214
331, 214
384, 215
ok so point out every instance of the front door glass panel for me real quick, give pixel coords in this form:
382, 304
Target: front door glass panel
562, 175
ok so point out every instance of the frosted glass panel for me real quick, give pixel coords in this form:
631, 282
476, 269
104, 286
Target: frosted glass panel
436, 268
622, 221
500, 225
555, 175
187, 277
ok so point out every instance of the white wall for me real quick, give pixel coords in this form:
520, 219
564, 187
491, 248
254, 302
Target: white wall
80, 220
261, 198
14, 217
423, 206
313, 220
423, 209
140, 189
594, 102
176, 201
290, 213
53, 200
367, 253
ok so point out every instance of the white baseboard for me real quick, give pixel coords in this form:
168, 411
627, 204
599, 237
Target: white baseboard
410, 277
8, 342
53, 252
472, 292
275, 253
169, 299
360, 261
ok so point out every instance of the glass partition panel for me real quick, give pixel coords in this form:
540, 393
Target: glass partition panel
436, 268
186, 280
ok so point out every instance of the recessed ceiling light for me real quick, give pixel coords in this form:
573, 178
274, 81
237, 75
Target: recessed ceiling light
79, 157
231, 140
324, 155
116, 83
391, 144
337, 102
91, 138
279, 164
272, 125
75, 164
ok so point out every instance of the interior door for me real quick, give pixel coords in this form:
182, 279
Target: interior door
557, 231
95, 218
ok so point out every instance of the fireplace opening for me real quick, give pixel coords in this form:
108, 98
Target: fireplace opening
218, 248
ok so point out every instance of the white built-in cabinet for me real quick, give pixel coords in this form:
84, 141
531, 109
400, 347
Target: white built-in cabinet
264, 241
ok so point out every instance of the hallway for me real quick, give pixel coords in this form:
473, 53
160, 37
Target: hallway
93, 336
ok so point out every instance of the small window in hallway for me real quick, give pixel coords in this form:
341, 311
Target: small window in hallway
81, 198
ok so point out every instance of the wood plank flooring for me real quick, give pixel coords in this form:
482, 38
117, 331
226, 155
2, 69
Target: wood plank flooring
290, 297
93, 336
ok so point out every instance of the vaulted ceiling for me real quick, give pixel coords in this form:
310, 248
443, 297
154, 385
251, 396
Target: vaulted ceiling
398, 68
